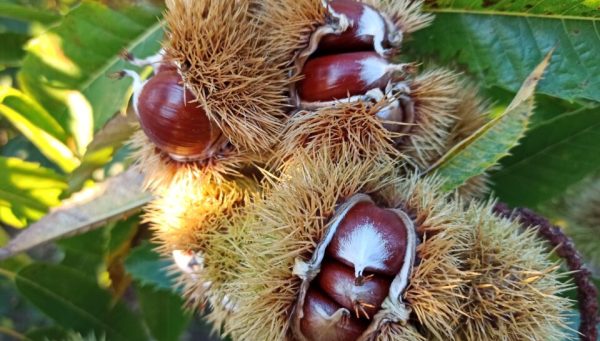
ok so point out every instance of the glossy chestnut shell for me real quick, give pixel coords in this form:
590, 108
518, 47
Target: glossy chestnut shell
338, 76
324, 320
171, 120
370, 238
368, 28
362, 299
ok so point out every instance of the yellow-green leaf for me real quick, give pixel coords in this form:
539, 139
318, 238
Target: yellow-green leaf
27, 191
91, 208
27, 116
65, 68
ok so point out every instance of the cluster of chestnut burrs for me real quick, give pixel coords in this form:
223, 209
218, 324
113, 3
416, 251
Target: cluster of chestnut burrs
285, 147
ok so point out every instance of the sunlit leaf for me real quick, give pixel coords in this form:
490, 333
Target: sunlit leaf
27, 191
91, 208
66, 67
553, 156
480, 151
501, 48
102, 148
18, 23
38, 126
76, 302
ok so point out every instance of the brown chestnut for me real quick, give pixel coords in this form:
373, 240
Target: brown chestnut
368, 30
369, 238
171, 120
338, 76
364, 298
324, 320
170, 117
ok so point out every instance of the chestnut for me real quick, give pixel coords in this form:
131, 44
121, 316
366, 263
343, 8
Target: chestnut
369, 238
335, 77
170, 117
324, 320
368, 29
363, 298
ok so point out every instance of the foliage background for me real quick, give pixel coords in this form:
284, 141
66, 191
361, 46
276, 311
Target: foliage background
63, 125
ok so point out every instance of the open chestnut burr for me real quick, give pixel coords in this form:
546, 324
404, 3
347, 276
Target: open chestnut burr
369, 250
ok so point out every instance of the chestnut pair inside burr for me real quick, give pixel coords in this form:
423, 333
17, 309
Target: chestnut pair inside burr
367, 251
354, 64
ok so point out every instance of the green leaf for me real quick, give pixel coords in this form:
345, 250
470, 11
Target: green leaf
18, 24
163, 312
47, 333
25, 13
12, 48
38, 126
14, 263
65, 68
26, 191
122, 233
148, 267
586, 8
114, 199
480, 151
546, 107
500, 49
553, 156
76, 302
87, 252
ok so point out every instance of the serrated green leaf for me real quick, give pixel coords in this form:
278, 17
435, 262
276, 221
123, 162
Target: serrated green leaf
27, 191
114, 199
38, 126
65, 68
553, 156
480, 151
76, 302
501, 48
586, 8
148, 267
163, 312
546, 107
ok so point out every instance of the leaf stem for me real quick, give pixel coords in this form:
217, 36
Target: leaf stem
12, 333
513, 14
8, 274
